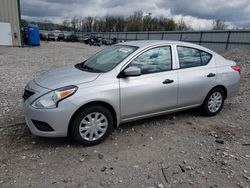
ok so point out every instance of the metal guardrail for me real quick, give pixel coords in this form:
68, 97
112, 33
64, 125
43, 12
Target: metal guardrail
216, 40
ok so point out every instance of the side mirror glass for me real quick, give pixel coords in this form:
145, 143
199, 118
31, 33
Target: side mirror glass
132, 71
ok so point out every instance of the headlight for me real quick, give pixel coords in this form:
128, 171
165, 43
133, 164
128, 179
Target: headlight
51, 99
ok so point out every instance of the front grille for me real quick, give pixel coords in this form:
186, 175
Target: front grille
27, 94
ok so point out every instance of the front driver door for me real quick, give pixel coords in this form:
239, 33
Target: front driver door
155, 90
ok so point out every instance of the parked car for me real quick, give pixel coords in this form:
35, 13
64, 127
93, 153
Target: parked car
86, 39
43, 37
72, 38
51, 37
114, 41
61, 37
126, 82
95, 41
104, 41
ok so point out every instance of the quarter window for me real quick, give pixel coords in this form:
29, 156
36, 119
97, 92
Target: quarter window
190, 57
154, 60
205, 57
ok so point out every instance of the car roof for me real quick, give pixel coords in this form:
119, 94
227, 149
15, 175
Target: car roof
148, 43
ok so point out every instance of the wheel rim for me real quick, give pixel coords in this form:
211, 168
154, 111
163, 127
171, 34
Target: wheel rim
215, 102
93, 126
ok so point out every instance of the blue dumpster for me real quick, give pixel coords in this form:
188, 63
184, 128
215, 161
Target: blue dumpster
33, 35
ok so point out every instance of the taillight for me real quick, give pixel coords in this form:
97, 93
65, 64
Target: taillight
236, 68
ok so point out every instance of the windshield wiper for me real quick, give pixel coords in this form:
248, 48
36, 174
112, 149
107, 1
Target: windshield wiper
81, 66
87, 68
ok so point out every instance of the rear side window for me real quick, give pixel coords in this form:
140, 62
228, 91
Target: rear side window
191, 57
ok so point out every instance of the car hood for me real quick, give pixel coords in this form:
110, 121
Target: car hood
64, 76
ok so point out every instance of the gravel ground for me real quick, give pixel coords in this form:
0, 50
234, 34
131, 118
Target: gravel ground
178, 150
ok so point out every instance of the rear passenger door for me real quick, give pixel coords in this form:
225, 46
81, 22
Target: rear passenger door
196, 75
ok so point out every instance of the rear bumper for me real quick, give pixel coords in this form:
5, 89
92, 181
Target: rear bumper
234, 87
228, 78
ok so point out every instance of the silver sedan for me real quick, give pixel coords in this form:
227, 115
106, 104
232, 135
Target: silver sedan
126, 82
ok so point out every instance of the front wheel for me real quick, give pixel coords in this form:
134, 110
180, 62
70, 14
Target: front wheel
213, 102
92, 125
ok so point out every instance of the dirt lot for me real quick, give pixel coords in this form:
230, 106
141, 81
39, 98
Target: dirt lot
177, 150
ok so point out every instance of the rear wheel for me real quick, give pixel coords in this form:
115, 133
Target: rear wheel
213, 102
92, 125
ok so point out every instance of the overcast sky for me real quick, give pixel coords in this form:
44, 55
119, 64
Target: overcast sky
196, 13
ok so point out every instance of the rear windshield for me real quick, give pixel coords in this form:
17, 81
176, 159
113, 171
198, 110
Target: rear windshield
106, 59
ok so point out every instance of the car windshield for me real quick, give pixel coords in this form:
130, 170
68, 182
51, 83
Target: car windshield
106, 59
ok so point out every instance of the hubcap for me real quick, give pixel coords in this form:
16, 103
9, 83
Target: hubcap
93, 126
215, 102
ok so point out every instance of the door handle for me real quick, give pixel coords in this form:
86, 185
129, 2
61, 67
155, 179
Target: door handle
168, 81
211, 75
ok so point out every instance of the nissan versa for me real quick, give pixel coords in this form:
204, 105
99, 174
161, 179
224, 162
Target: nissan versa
126, 82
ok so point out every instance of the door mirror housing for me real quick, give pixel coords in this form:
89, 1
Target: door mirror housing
129, 72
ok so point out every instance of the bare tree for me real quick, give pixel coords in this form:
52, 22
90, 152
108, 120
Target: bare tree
109, 23
219, 25
135, 22
96, 25
83, 25
120, 23
182, 26
78, 24
66, 25
169, 24
74, 23
102, 25
147, 22
88, 23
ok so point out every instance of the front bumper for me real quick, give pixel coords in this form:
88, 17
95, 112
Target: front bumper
58, 118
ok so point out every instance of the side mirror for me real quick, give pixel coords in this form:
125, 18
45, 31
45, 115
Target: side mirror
129, 72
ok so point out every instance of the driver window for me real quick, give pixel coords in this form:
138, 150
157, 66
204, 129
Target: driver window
154, 60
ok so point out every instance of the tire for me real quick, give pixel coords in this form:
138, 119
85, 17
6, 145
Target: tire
213, 102
101, 120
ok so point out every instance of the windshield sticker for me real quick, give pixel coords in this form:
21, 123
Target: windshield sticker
125, 50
